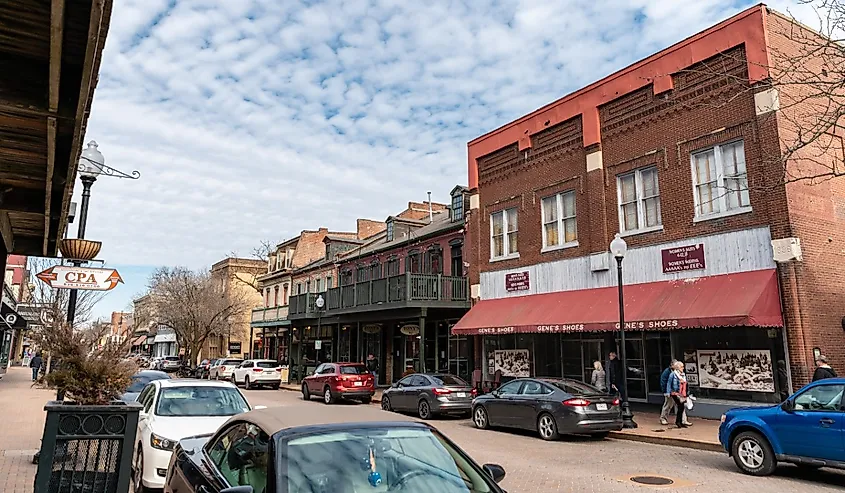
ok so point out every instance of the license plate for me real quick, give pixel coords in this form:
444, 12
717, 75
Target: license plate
601, 407
357, 384
461, 394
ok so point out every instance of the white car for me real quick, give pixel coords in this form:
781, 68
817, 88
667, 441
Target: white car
258, 372
173, 410
223, 368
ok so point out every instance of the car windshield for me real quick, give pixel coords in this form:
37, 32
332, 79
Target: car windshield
200, 401
449, 381
141, 381
353, 369
575, 388
230, 362
266, 364
408, 460
172, 358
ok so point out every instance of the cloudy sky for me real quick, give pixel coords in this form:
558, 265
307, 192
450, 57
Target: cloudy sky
252, 120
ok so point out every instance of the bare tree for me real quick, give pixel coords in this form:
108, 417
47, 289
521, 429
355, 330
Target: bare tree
261, 252
806, 70
194, 305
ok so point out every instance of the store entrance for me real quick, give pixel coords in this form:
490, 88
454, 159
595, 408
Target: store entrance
406, 354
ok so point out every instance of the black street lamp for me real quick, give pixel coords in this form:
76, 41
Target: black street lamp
619, 248
91, 165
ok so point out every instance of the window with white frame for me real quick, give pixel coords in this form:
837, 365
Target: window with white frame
720, 179
638, 195
503, 233
559, 225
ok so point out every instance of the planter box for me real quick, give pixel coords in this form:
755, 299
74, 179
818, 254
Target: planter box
87, 449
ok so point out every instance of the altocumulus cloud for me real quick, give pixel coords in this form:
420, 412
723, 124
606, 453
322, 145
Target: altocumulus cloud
252, 120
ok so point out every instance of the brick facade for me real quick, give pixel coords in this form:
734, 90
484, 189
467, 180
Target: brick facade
656, 113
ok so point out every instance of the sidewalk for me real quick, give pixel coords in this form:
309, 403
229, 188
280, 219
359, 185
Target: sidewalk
22, 408
703, 435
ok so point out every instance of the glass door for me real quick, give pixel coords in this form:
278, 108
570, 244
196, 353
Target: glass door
636, 367
658, 354
593, 351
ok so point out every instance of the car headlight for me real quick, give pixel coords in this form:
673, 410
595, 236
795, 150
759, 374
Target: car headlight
162, 443
724, 418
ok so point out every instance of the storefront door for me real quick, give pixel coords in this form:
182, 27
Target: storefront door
406, 354
593, 351
637, 390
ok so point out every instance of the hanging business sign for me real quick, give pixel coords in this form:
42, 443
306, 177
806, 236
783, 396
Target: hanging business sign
87, 278
517, 281
371, 328
234, 347
410, 330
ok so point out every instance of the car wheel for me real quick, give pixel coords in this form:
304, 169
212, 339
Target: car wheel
234, 381
547, 427
752, 454
306, 395
385, 403
247, 385
424, 409
138, 472
479, 418
366, 400
328, 398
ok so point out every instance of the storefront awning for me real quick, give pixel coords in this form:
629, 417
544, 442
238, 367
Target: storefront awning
165, 338
140, 340
742, 299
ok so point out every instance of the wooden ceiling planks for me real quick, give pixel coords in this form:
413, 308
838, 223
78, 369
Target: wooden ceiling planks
50, 53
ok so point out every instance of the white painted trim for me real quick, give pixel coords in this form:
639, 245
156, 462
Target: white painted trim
635, 232
563, 246
506, 257
720, 215
473, 201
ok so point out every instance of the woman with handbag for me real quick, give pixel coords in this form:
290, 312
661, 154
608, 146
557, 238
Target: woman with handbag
677, 388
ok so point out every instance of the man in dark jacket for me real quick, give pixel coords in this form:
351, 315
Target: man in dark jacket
614, 374
35, 364
823, 370
668, 402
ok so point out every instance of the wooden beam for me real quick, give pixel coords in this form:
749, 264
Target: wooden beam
6, 231
97, 29
57, 27
48, 183
16, 199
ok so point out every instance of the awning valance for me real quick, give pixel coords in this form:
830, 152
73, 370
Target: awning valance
741, 299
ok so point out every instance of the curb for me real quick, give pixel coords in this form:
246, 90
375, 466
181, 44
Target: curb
620, 435
670, 442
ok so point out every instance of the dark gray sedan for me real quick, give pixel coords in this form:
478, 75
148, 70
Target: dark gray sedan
429, 394
139, 381
550, 406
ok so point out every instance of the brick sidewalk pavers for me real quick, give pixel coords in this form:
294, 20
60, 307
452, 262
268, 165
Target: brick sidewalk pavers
22, 418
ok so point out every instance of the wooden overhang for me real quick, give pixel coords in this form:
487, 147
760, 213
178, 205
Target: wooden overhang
50, 53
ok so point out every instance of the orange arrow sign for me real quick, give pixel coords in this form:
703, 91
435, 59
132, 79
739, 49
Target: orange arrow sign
47, 276
74, 277
114, 278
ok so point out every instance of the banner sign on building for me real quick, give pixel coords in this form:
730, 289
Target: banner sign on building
683, 258
517, 281
86, 278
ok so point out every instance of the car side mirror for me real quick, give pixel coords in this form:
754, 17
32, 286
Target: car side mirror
788, 405
495, 393
238, 489
495, 471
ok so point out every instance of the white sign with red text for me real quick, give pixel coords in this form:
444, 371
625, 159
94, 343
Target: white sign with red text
71, 277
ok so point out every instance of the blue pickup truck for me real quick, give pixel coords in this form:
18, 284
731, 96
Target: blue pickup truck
807, 429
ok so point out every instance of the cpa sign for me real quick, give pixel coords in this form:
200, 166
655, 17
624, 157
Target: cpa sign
71, 277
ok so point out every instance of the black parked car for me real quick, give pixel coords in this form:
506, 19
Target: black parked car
259, 452
139, 381
550, 406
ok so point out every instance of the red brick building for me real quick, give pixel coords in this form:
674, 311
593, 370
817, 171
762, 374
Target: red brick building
681, 154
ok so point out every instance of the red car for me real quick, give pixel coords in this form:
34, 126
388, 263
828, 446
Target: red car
336, 381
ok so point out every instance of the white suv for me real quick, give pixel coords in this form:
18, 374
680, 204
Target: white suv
222, 369
258, 372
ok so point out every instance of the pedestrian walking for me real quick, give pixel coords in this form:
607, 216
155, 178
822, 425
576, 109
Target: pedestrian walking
35, 364
668, 402
614, 374
599, 378
823, 370
677, 388
372, 366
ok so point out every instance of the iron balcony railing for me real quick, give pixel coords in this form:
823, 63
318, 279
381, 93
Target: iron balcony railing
270, 314
390, 290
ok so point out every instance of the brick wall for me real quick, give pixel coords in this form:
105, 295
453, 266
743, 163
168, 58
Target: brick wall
815, 296
367, 228
419, 210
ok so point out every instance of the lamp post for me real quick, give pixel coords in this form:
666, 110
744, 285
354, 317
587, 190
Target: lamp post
91, 165
619, 248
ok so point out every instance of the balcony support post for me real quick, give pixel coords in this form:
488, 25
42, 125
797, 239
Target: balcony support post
422, 340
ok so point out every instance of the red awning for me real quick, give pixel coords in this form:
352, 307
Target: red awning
139, 341
743, 299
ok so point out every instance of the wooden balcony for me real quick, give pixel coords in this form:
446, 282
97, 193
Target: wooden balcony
271, 314
402, 291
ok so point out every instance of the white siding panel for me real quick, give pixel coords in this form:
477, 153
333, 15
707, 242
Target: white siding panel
737, 251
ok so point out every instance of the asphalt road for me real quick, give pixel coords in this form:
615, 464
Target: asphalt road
574, 464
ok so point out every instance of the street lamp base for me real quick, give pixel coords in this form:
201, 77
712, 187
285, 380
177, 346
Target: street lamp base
627, 417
